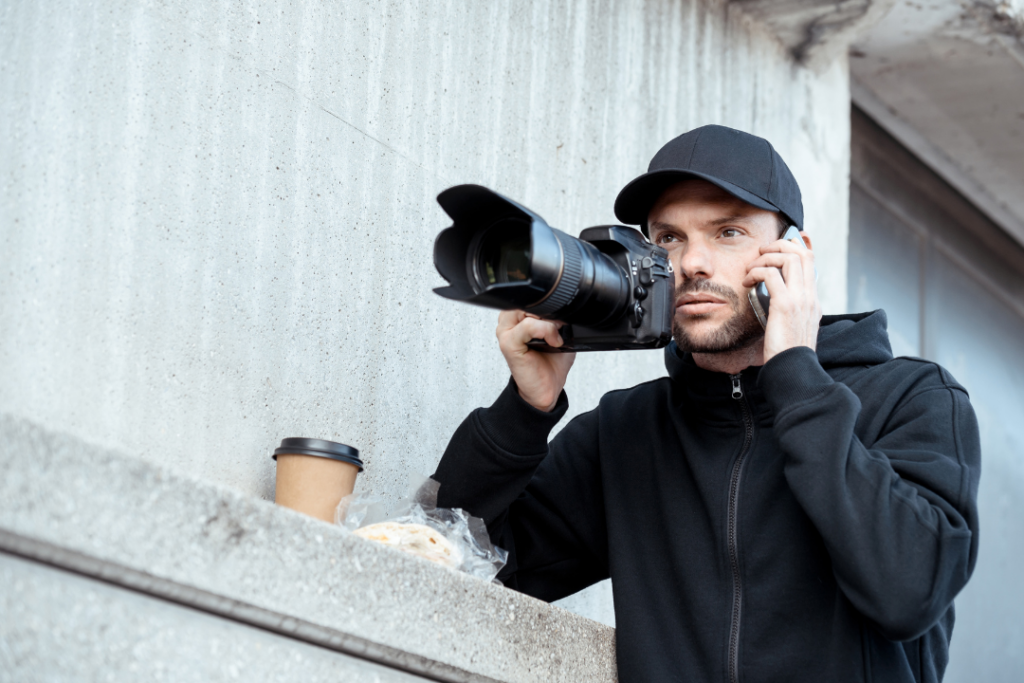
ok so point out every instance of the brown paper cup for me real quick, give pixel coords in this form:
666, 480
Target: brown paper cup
314, 480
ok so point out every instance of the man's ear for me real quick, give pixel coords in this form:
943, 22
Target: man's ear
807, 240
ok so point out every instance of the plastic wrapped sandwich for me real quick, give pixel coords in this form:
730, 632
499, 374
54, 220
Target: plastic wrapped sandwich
450, 537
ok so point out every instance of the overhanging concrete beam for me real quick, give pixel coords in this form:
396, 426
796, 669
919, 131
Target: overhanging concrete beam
816, 31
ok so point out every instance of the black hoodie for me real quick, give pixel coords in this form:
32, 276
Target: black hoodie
808, 520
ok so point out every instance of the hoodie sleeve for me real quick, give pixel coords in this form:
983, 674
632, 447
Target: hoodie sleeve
898, 514
541, 502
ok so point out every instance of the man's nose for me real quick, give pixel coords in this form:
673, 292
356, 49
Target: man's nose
694, 261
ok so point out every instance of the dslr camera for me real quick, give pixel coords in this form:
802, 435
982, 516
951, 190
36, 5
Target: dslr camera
611, 287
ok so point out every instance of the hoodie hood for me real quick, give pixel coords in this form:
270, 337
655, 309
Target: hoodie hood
853, 339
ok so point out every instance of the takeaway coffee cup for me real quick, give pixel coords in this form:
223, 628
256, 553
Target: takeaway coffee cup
313, 475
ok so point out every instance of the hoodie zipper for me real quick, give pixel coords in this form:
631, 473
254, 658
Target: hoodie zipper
734, 560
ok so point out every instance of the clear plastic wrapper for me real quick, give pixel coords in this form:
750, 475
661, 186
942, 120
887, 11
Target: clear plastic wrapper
447, 536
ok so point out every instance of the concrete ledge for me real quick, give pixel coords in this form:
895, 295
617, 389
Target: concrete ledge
62, 502
112, 635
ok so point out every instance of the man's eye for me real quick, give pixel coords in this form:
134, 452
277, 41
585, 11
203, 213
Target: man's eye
731, 232
665, 238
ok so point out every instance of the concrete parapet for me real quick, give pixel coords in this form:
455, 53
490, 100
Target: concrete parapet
106, 633
137, 525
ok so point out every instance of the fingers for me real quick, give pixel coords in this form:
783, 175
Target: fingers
535, 328
772, 279
516, 328
787, 301
786, 246
507, 320
774, 259
795, 262
787, 270
789, 264
805, 254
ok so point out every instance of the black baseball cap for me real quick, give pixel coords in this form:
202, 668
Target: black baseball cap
744, 165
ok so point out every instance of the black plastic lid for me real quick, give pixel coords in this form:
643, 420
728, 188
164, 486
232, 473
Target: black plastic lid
321, 449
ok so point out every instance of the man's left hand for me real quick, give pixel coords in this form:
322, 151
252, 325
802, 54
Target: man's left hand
787, 270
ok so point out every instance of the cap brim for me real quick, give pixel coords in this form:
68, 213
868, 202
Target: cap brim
638, 197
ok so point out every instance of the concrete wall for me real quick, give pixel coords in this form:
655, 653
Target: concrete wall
216, 219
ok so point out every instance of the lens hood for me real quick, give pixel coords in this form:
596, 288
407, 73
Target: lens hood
566, 279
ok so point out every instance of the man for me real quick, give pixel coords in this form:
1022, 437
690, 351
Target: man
789, 504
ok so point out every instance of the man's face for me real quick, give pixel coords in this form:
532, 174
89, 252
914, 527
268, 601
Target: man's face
711, 236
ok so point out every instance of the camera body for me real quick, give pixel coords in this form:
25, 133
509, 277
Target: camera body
649, 306
612, 288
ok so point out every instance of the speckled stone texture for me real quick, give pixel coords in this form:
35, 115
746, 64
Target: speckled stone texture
62, 627
126, 512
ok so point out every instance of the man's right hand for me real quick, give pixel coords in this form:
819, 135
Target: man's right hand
539, 376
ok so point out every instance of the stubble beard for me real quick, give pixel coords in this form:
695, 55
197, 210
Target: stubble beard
738, 332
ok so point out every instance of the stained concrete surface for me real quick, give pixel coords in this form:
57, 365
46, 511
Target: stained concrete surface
127, 513
217, 219
817, 31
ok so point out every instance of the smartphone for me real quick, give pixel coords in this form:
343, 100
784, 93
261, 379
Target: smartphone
758, 295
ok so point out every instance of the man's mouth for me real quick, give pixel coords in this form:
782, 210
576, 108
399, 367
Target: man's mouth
699, 304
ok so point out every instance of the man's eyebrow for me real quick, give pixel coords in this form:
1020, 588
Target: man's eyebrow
660, 226
725, 220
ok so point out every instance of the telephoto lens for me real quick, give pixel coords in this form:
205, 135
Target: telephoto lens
502, 255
